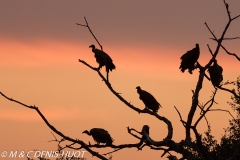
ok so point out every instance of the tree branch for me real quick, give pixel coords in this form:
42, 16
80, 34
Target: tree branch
54, 129
205, 111
194, 104
228, 90
228, 38
183, 122
161, 118
86, 25
232, 54
224, 110
202, 72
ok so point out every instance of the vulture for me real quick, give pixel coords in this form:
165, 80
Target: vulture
189, 59
145, 136
145, 133
103, 59
149, 101
215, 72
100, 135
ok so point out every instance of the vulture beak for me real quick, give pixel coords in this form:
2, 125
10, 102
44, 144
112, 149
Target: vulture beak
92, 46
85, 131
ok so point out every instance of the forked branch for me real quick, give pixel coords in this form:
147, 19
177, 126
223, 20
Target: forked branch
86, 25
83, 145
161, 118
170, 128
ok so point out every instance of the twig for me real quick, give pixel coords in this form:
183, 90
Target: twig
183, 122
132, 129
228, 38
54, 129
223, 111
211, 101
229, 53
115, 150
169, 124
86, 25
228, 90
232, 54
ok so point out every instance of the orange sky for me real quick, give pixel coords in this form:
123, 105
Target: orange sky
42, 69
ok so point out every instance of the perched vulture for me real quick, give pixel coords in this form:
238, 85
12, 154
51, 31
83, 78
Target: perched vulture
103, 59
145, 133
189, 59
100, 135
145, 136
215, 72
149, 101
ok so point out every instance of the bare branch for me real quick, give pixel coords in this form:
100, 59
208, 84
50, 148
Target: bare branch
54, 129
236, 17
211, 101
115, 150
219, 41
227, 38
202, 110
232, 54
194, 103
86, 25
228, 90
215, 38
210, 49
95, 69
223, 111
169, 124
132, 129
183, 122
228, 12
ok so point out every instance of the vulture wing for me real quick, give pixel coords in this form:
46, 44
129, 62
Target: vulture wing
149, 101
215, 72
104, 60
108, 62
99, 55
101, 136
189, 59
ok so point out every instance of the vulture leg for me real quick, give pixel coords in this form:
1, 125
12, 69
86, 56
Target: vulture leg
99, 67
107, 70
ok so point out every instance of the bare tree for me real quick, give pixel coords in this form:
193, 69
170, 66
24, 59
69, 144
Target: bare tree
185, 147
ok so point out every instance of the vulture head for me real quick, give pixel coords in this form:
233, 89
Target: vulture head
197, 45
138, 89
100, 136
86, 131
92, 46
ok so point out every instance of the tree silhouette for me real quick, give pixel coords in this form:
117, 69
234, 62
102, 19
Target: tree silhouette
192, 146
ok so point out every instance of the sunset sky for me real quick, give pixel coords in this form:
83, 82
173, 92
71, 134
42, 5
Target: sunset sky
40, 45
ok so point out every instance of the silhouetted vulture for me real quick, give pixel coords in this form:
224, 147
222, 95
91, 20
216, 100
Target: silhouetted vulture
145, 133
149, 101
189, 59
145, 136
100, 135
103, 59
215, 72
